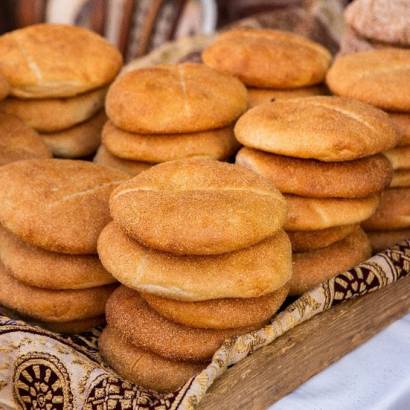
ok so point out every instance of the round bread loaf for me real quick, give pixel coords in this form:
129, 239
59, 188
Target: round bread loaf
401, 179
317, 179
393, 212
386, 21
132, 168
399, 157
55, 114
257, 96
248, 273
32, 266
312, 214
56, 60
58, 205
175, 98
378, 77
326, 128
402, 123
18, 141
215, 144
130, 316
268, 58
78, 141
143, 367
198, 207
312, 268
4, 87
382, 240
303, 241
219, 313
52, 305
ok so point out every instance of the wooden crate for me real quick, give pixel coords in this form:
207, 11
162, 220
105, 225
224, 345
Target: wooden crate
275, 370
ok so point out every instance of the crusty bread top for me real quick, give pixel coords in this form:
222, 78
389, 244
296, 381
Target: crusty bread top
323, 127
268, 58
56, 60
378, 77
4, 87
402, 123
59, 205
18, 141
175, 98
198, 206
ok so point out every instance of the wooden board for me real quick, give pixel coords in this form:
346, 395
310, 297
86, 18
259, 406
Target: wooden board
275, 370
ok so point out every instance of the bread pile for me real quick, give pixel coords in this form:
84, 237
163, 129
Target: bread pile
58, 77
51, 213
170, 112
382, 78
198, 247
323, 153
376, 24
272, 64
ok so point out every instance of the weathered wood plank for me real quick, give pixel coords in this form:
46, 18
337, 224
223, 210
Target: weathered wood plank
274, 371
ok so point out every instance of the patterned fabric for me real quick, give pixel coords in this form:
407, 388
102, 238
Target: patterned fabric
44, 370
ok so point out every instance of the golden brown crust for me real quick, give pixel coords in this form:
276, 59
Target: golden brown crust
326, 128
175, 98
399, 157
4, 87
32, 266
381, 240
52, 305
257, 96
402, 123
312, 214
401, 179
378, 77
56, 60
393, 212
317, 179
268, 58
251, 272
58, 205
215, 144
142, 367
105, 158
219, 313
198, 206
314, 267
128, 314
303, 241
18, 141
55, 114
78, 141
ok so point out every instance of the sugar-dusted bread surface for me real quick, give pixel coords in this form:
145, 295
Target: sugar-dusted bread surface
56, 60
175, 98
198, 206
252, 272
325, 128
58, 205
268, 58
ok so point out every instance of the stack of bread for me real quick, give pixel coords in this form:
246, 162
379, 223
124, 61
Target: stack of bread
382, 78
323, 153
58, 76
272, 64
51, 213
376, 24
198, 247
170, 112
